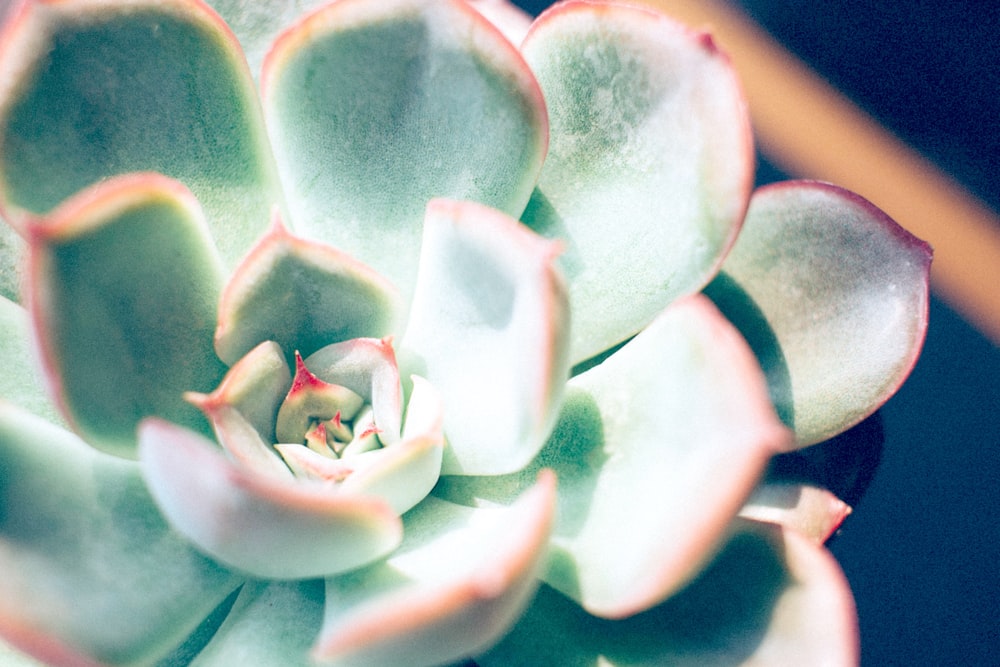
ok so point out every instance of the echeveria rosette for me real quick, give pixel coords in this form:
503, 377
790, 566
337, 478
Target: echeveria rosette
378, 121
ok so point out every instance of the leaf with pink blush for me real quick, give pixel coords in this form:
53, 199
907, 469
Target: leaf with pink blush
457, 583
656, 450
650, 162
124, 281
302, 295
366, 366
91, 572
833, 297
98, 89
267, 527
488, 329
375, 108
770, 597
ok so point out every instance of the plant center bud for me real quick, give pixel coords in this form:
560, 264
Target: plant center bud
329, 419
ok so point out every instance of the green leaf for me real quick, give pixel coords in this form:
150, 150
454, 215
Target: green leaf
770, 597
123, 291
257, 24
93, 90
266, 526
488, 329
270, 624
403, 473
832, 296
91, 573
12, 251
376, 108
656, 450
22, 381
254, 386
457, 583
302, 295
650, 162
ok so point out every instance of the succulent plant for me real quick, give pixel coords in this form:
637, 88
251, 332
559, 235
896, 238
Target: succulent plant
419, 346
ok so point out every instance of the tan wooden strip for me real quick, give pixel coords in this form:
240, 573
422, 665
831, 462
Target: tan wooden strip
810, 130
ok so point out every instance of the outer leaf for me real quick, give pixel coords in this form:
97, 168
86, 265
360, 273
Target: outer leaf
97, 88
375, 108
12, 250
811, 510
268, 527
91, 573
457, 583
124, 282
488, 329
833, 296
303, 296
21, 382
650, 163
770, 597
656, 449
271, 624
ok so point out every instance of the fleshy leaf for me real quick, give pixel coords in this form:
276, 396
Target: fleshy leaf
656, 450
21, 382
243, 443
90, 90
268, 527
271, 624
376, 108
254, 386
12, 251
123, 291
366, 366
488, 329
833, 297
403, 473
91, 573
302, 295
769, 598
811, 510
650, 162
456, 584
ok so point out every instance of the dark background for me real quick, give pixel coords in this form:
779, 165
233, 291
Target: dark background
922, 550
